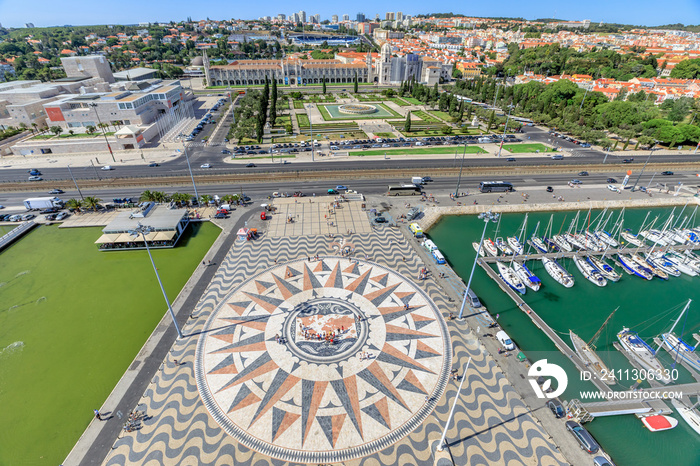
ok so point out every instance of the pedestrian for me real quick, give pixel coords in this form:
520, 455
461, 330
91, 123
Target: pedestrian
203, 263
98, 416
209, 263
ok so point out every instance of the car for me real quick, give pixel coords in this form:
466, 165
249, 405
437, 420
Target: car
15, 218
332, 191
34, 171
413, 213
220, 215
298, 194
62, 215
576, 182
35, 178
56, 191
26, 217
107, 167
250, 165
2, 206
667, 173
556, 407
505, 340
50, 210
50, 216
585, 439
205, 165
341, 188
510, 159
427, 179
602, 461
550, 189
380, 220
611, 180
154, 164
582, 173
225, 151
628, 160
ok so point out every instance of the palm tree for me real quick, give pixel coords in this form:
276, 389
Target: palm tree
147, 196
160, 197
34, 127
74, 204
205, 199
91, 202
181, 198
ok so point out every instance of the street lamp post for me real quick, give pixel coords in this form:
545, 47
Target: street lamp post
459, 178
143, 231
651, 151
584, 99
486, 217
75, 182
94, 106
189, 167
505, 130
441, 445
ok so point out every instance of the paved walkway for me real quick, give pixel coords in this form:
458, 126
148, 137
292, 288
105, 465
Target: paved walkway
492, 425
319, 215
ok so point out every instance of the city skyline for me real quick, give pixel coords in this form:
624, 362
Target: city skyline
50, 13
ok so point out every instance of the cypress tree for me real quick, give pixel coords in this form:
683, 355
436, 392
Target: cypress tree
407, 123
355, 84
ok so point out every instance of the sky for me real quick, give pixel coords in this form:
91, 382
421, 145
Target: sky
13, 13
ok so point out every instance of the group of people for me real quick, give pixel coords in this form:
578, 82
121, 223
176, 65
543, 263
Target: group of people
423, 273
328, 337
364, 355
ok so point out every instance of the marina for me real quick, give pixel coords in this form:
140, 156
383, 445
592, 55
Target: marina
544, 308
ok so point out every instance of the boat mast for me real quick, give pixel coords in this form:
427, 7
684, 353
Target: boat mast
597, 334
679, 317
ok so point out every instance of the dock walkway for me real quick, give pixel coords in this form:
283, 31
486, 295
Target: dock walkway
608, 252
15, 233
542, 325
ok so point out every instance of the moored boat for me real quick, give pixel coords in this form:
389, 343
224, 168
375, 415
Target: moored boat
643, 354
514, 244
557, 272
631, 238
490, 248
589, 272
503, 246
538, 244
478, 250
607, 238
677, 347
528, 278
660, 262
689, 414
654, 270
634, 268
659, 422
605, 269
592, 360
509, 276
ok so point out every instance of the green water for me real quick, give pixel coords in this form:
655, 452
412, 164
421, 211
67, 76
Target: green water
648, 307
71, 321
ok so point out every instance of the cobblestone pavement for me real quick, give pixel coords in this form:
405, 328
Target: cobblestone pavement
491, 425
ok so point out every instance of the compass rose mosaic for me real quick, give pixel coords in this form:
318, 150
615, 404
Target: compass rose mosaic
323, 361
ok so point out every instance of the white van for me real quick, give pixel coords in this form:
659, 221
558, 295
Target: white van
417, 180
439, 258
505, 340
335, 148
429, 245
484, 140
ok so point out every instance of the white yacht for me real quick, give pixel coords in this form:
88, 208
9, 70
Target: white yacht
588, 271
643, 354
557, 272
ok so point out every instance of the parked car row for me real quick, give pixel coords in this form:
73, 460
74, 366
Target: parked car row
50, 215
208, 118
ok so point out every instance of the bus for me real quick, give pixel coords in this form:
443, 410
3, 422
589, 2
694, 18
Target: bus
405, 190
495, 186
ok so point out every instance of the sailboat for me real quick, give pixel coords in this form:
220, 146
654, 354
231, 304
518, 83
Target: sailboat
509, 276
634, 268
683, 259
643, 354
489, 247
588, 271
514, 241
586, 352
479, 250
536, 242
501, 244
605, 269
604, 236
689, 414
528, 278
631, 238
557, 272
677, 347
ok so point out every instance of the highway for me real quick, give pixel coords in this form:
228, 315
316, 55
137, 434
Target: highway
441, 185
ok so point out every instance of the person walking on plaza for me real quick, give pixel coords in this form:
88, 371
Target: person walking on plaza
98, 416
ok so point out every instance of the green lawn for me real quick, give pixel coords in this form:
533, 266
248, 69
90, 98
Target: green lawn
392, 114
76, 135
437, 132
303, 120
413, 101
298, 104
421, 151
72, 319
399, 101
525, 148
272, 156
385, 135
444, 115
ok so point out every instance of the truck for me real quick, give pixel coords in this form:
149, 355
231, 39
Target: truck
40, 203
417, 180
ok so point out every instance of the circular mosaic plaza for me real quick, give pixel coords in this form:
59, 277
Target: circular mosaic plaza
323, 361
357, 109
